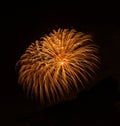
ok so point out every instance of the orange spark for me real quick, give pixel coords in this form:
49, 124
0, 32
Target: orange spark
52, 67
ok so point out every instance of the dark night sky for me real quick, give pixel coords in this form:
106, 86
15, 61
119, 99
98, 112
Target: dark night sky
99, 105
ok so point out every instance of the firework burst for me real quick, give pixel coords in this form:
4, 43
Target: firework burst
51, 67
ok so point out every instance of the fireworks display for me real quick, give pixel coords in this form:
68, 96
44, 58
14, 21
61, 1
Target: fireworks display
58, 64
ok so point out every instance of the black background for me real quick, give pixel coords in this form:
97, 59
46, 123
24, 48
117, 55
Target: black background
99, 105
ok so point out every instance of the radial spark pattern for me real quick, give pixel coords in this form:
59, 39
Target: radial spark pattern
52, 67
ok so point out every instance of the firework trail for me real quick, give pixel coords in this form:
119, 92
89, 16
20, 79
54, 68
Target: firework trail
51, 67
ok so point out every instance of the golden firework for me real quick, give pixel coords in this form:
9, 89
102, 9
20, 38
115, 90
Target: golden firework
51, 67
